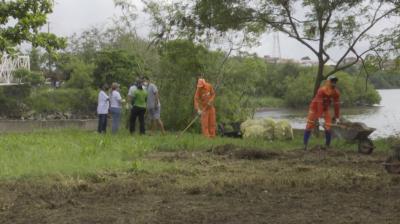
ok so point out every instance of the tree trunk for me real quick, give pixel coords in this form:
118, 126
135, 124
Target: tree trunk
320, 77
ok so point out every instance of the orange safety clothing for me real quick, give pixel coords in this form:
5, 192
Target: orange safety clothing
204, 101
320, 105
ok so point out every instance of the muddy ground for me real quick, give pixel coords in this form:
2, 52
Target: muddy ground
219, 185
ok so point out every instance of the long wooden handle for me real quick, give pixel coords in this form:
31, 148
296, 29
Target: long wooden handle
190, 124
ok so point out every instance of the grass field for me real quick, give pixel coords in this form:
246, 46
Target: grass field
81, 177
77, 153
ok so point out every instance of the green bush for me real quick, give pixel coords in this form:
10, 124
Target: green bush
29, 77
13, 100
115, 66
80, 74
76, 101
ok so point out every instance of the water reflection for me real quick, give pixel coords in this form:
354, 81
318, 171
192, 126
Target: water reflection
384, 117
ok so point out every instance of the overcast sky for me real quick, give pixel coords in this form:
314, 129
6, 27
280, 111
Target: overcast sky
74, 16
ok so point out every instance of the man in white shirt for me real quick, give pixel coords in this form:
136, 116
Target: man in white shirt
103, 105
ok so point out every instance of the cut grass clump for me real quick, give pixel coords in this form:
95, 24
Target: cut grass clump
243, 153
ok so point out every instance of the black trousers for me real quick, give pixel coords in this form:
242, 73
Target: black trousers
135, 113
101, 128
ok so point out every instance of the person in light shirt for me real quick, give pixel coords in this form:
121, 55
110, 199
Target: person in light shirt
115, 107
103, 104
153, 105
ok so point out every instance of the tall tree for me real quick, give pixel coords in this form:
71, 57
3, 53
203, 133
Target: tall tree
21, 21
320, 25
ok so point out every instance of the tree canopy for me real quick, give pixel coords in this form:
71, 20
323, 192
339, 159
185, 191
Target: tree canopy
319, 25
21, 21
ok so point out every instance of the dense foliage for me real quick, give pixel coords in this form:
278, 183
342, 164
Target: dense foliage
243, 82
386, 79
323, 27
27, 18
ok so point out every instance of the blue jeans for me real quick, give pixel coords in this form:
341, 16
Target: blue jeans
116, 118
102, 123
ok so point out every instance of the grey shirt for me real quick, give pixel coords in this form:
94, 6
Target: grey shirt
151, 98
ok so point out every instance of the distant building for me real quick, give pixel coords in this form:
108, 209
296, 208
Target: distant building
307, 62
272, 60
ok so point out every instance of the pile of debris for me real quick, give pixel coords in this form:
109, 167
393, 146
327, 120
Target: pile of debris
267, 129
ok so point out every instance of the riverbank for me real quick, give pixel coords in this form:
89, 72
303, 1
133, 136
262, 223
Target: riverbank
82, 177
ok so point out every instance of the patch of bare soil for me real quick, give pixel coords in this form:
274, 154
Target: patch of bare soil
224, 187
243, 153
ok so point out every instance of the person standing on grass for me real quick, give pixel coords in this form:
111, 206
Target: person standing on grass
103, 105
153, 105
320, 107
139, 108
131, 92
204, 104
116, 107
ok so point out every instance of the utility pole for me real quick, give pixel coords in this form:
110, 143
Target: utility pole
276, 51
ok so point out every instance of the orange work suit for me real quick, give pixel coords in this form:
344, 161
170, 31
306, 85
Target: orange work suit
319, 106
204, 101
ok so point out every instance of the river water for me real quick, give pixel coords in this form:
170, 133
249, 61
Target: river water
385, 117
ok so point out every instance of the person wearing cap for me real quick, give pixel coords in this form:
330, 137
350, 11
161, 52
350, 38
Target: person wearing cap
204, 104
115, 107
103, 104
139, 100
129, 105
319, 108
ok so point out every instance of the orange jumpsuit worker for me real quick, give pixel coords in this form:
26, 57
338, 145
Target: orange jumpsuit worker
319, 108
204, 104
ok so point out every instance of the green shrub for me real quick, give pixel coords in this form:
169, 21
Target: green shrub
81, 74
13, 100
29, 77
77, 101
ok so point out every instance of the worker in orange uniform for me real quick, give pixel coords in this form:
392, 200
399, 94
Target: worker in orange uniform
319, 108
204, 104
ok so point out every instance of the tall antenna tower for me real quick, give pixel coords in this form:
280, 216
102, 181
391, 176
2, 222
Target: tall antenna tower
276, 51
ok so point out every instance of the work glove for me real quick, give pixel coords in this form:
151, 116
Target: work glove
199, 112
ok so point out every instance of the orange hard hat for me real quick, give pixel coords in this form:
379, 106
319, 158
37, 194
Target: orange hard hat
201, 83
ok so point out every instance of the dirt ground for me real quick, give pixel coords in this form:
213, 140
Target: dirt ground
220, 185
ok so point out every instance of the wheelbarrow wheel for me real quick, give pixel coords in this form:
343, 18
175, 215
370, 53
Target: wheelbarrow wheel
392, 165
365, 146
